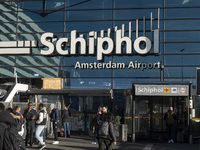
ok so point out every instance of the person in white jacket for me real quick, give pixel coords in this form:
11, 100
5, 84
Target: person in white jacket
41, 122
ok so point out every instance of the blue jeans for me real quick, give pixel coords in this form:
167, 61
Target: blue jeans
66, 124
39, 134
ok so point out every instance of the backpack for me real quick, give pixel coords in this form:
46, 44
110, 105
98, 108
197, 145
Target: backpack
103, 130
12, 140
170, 119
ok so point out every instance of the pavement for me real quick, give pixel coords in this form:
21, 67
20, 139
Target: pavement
83, 142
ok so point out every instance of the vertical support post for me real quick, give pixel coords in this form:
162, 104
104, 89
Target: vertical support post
158, 18
161, 70
85, 111
144, 26
151, 24
190, 105
137, 28
133, 115
36, 102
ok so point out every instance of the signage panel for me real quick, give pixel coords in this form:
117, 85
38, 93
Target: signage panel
162, 90
52, 83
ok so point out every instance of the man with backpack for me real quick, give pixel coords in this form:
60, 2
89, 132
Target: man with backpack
170, 119
41, 122
105, 132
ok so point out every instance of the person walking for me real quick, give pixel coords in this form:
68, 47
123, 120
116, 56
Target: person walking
170, 119
106, 135
30, 116
7, 120
41, 122
95, 120
54, 115
65, 119
17, 111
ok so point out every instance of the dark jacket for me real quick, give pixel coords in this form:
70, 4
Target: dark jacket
6, 118
65, 115
109, 118
169, 113
54, 115
28, 115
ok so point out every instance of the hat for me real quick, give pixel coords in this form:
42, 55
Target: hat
52, 106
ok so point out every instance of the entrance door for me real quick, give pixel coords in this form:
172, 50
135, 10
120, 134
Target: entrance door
83, 110
149, 120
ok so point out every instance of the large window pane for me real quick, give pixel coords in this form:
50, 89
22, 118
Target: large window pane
182, 59
182, 48
38, 61
78, 73
7, 72
38, 72
184, 72
8, 16
8, 6
181, 3
182, 36
138, 3
85, 4
124, 83
7, 60
35, 16
88, 83
136, 13
182, 24
89, 15
88, 26
152, 72
7, 37
8, 28
40, 27
182, 13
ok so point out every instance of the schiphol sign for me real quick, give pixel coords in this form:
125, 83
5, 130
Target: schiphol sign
101, 41
161, 90
110, 42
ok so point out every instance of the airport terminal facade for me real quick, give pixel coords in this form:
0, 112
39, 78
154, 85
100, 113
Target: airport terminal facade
90, 53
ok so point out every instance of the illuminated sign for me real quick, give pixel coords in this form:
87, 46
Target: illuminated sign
161, 90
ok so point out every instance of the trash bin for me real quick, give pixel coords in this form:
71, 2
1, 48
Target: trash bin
122, 133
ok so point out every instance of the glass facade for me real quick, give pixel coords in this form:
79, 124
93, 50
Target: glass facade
28, 20
179, 51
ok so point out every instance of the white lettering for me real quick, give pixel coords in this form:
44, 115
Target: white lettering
47, 43
137, 45
75, 40
100, 47
59, 46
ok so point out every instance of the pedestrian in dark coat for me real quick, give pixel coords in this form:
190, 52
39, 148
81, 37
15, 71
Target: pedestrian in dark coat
170, 119
7, 120
65, 119
30, 115
54, 115
110, 139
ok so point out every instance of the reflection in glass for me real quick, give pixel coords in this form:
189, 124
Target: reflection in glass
88, 83
38, 72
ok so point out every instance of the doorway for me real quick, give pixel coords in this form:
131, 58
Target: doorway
149, 112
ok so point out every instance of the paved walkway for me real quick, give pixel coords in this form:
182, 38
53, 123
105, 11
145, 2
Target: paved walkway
84, 143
